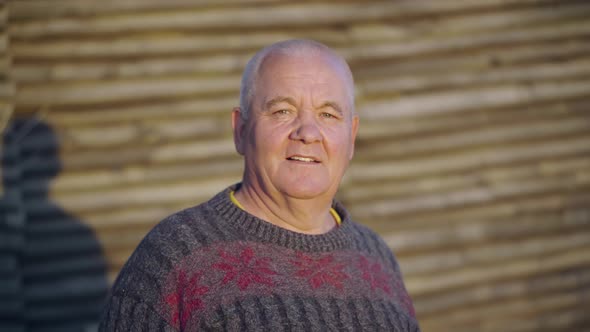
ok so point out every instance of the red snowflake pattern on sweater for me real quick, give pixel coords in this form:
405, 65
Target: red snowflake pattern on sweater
218, 275
187, 298
320, 271
374, 274
245, 269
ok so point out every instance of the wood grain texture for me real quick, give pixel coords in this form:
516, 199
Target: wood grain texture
472, 160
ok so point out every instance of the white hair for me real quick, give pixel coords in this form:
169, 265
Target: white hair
295, 48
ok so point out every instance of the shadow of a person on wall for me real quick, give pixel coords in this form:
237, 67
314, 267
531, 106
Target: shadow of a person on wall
61, 280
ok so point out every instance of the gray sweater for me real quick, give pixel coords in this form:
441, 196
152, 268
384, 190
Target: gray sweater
217, 267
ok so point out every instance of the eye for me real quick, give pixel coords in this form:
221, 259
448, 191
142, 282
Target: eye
327, 115
281, 112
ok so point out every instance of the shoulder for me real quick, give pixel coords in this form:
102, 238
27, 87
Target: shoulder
357, 230
362, 231
164, 247
370, 242
180, 228
146, 276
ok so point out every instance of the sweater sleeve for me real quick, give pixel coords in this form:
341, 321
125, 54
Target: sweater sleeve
136, 293
380, 248
128, 314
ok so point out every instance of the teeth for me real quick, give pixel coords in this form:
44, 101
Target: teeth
309, 160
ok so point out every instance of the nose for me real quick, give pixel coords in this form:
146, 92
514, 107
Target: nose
306, 129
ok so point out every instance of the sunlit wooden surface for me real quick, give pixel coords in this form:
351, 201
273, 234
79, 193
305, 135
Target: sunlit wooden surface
472, 161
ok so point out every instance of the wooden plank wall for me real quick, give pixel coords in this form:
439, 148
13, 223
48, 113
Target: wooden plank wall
6, 83
11, 218
473, 157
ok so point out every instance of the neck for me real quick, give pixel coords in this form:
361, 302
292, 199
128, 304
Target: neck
308, 216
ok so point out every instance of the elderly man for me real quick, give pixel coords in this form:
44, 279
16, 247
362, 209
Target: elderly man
275, 252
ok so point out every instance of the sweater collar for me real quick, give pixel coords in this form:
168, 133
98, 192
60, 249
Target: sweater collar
233, 216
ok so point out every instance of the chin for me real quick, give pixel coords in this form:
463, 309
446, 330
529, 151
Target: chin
305, 190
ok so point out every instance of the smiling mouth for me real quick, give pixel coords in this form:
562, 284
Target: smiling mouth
303, 159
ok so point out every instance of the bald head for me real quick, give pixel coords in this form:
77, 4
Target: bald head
298, 48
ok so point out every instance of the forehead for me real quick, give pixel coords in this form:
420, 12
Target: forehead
319, 73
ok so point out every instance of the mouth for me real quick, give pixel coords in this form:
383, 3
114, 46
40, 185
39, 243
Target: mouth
309, 160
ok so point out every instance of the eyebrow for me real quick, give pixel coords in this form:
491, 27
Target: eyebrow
333, 105
280, 99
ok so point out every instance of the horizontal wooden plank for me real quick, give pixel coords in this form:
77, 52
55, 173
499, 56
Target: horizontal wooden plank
490, 273
124, 90
460, 254
27, 10
133, 219
375, 132
476, 98
415, 83
571, 203
507, 19
196, 106
384, 50
82, 181
163, 44
175, 43
533, 285
123, 68
64, 69
7, 89
6, 66
551, 312
23, 11
523, 54
477, 195
249, 16
465, 160
197, 191
360, 192
3, 15
142, 133
533, 132
3, 42
188, 151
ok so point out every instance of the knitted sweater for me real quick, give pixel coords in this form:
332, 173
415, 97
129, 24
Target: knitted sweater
217, 267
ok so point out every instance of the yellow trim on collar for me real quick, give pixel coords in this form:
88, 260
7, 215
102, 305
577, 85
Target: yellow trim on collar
235, 201
336, 216
332, 211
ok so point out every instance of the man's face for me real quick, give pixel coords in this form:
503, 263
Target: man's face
299, 136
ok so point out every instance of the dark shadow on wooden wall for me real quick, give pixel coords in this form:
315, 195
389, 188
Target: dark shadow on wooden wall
52, 268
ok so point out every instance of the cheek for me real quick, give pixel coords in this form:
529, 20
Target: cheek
338, 143
270, 138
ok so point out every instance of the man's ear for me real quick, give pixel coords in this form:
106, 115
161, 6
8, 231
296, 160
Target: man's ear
354, 129
237, 124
